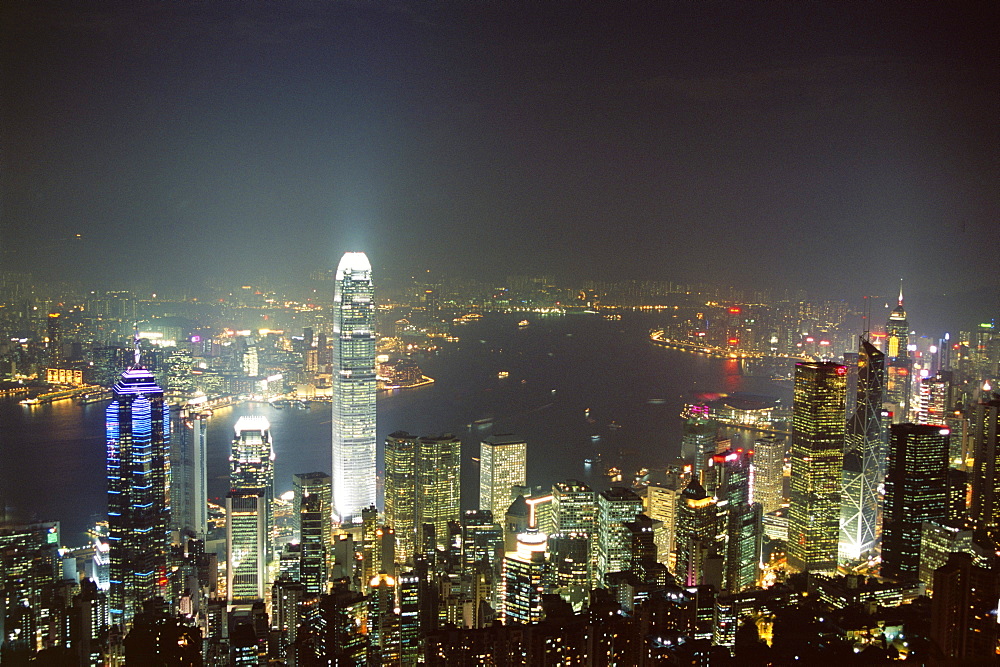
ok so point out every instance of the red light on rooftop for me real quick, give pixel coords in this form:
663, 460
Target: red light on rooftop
842, 370
735, 310
734, 341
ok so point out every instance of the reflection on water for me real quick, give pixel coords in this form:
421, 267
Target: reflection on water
52, 457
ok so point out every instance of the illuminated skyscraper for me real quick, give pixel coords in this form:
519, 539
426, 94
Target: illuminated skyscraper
523, 578
916, 490
246, 543
698, 440
313, 512
439, 484
251, 464
899, 370
354, 387
769, 473
897, 337
189, 475
615, 507
934, 399
817, 464
422, 487
138, 436
728, 476
985, 512
698, 536
401, 490
502, 466
863, 458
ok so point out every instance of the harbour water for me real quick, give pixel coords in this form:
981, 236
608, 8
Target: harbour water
52, 457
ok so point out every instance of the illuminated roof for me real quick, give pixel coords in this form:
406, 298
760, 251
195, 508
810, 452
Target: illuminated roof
353, 263
137, 381
252, 423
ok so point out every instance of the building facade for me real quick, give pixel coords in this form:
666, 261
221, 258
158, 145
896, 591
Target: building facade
354, 388
502, 466
138, 437
818, 424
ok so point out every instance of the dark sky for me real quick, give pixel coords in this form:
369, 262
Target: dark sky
831, 146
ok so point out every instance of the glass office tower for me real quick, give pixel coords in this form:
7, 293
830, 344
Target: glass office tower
354, 387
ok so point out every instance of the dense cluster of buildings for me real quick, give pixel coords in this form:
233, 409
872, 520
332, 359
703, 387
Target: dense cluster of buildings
872, 534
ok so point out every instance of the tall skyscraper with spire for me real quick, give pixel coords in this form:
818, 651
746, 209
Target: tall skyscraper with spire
899, 371
354, 387
138, 436
864, 458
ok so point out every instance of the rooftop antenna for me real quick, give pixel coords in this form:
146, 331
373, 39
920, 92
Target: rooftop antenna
138, 351
867, 317
901, 291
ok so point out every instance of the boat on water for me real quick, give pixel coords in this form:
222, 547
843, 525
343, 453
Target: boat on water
483, 422
503, 374
595, 437
523, 323
614, 425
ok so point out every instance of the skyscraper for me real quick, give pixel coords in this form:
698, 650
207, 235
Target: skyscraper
697, 536
313, 512
138, 436
985, 512
246, 540
615, 506
354, 387
916, 490
422, 487
189, 475
698, 440
863, 458
251, 465
439, 484
523, 574
401, 490
817, 463
502, 466
899, 371
769, 473
728, 475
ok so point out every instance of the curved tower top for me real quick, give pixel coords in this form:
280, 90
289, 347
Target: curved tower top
354, 263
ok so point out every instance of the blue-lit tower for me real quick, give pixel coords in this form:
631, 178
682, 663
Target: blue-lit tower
354, 387
138, 436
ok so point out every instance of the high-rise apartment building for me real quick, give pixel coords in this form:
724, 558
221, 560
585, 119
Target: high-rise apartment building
246, 544
313, 512
817, 463
863, 459
502, 466
354, 387
138, 436
916, 490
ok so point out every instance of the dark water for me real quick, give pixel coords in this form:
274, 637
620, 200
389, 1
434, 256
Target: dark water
52, 457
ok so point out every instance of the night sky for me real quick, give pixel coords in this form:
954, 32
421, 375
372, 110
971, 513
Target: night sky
831, 146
